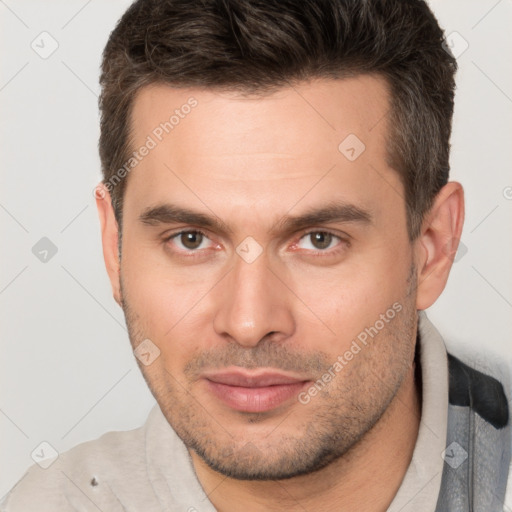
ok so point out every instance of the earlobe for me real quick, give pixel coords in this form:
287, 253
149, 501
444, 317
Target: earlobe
109, 238
437, 244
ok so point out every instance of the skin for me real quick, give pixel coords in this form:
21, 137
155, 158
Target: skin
250, 162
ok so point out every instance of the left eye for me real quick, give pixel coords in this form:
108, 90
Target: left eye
190, 240
318, 240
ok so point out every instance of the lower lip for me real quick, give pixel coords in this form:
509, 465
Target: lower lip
255, 399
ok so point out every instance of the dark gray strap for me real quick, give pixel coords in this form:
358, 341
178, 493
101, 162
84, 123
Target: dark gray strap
478, 453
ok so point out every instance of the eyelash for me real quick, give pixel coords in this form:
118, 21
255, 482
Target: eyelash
196, 253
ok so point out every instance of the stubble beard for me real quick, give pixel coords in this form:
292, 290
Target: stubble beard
327, 428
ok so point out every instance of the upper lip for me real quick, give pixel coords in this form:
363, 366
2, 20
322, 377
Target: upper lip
246, 379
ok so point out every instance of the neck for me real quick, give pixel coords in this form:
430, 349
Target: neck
365, 479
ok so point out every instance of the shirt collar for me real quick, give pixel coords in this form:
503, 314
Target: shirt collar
422, 481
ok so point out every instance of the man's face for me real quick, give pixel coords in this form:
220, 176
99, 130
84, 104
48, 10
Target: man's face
252, 308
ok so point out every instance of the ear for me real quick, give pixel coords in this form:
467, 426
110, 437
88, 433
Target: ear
437, 244
109, 238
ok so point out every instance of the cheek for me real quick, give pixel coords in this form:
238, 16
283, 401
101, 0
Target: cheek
167, 309
159, 292
341, 302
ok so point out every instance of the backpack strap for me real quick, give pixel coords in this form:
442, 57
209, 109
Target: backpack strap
478, 445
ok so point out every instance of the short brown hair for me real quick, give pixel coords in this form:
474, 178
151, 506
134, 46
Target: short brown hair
257, 46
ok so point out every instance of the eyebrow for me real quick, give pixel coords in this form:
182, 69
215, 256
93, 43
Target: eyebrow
332, 212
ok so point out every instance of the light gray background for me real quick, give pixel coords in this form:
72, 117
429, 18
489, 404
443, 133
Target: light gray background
67, 372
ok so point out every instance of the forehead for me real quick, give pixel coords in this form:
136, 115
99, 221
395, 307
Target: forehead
313, 140
311, 110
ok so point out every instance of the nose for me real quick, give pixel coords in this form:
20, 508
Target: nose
252, 304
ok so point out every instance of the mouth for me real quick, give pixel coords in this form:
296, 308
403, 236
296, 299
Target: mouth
254, 391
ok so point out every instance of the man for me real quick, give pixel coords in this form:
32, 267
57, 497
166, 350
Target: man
276, 216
